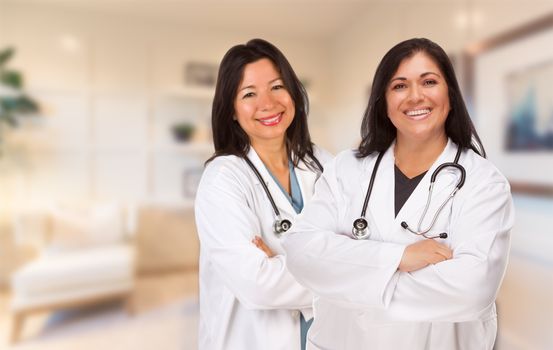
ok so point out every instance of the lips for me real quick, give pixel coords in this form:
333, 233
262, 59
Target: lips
418, 114
271, 120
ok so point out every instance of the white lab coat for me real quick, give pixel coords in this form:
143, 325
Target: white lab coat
362, 301
247, 301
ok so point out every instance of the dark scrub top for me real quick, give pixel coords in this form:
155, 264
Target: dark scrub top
404, 187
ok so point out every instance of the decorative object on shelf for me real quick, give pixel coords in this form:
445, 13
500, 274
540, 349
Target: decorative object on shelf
200, 74
183, 131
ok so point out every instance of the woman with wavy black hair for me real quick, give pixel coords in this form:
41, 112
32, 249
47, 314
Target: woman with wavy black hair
263, 171
405, 243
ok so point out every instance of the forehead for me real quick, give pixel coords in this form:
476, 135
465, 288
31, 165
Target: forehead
260, 71
417, 64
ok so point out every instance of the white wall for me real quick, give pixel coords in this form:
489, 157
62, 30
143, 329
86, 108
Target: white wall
106, 83
357, 49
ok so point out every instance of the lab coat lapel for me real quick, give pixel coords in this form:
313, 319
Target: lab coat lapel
306, 179
282, 203
445, 183
381, 204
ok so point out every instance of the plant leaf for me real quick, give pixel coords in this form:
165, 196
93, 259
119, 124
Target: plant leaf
6, 54
12, 79
18, 105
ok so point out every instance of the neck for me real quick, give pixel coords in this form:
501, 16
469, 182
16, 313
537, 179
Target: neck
414, 158
273, 154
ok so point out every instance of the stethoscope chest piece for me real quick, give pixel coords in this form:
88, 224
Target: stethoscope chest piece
360, 229
281, 225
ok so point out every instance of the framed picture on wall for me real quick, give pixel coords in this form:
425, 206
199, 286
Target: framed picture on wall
508, 81
200, 74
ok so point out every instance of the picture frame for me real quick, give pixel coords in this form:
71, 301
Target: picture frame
502, 81
200, 74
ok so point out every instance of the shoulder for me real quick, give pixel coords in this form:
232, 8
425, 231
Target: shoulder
482, 173
322, 155
482, 168
346, 164
224, 170
348, 160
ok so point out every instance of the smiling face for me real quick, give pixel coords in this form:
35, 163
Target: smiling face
417, 100
263, 107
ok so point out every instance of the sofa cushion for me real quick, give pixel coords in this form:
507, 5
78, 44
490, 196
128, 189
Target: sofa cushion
83, 227
78, 270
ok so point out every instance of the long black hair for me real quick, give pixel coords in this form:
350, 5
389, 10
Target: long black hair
378, 132
228, 137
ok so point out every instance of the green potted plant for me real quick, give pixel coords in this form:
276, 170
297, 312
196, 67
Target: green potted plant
183, 131
13, 101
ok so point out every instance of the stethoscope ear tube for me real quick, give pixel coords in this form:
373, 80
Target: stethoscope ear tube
442, 235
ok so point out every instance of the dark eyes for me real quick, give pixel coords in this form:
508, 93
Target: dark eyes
428, 82
398, 86
274, 88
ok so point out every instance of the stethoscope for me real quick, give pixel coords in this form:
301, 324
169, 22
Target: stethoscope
280, 225
361, 227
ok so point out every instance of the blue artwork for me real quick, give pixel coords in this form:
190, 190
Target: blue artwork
530, 115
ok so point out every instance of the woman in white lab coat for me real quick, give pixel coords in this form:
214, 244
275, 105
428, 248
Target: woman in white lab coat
248, 299
397, 289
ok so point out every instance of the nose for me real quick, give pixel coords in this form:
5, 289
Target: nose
265, 101
415, 94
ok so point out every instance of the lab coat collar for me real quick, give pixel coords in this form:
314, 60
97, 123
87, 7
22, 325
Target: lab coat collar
306, 180
384, 194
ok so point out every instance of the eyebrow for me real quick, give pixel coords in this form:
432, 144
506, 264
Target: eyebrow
421, 76
252, 86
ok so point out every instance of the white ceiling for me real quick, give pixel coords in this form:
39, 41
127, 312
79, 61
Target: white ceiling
304, 18
318, 19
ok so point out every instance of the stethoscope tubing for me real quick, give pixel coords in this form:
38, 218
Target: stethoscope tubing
278, 218
371, 184
363, 233
265, 188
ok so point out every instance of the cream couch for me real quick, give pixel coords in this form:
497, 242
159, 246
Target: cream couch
87, 257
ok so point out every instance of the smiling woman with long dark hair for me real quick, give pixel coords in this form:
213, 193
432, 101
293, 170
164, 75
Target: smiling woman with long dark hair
263, 171
406, 242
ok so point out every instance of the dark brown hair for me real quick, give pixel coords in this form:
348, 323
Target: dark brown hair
378, 132
228, 137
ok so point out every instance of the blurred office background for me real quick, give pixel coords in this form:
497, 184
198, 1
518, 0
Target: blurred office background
97, 238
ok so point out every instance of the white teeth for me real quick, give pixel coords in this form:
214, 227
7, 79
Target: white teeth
271, 120
417, 112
